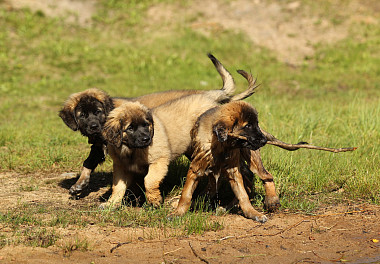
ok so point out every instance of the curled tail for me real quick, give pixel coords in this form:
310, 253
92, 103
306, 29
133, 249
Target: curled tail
228, 81
226, 92
251, 86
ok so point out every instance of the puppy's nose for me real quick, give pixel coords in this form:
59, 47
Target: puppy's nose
93, 125
145, 139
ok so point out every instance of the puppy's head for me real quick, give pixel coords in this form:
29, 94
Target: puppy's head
238, 125
87, 111
130, 124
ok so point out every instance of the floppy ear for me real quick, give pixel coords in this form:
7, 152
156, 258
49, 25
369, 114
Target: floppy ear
220, 131
150, 118
67, 115
108, 105
112, 132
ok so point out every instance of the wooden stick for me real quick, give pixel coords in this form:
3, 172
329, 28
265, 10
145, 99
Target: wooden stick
274, 141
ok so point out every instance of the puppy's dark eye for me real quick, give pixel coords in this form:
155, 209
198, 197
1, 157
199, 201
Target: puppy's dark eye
82, 115
130, 128
146, 124
248, 126
97, 112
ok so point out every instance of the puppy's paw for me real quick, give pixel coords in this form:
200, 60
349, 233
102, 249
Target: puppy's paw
75, 189
171, 217
79, 186
261, 219
154, 200
108, 206
173, 202
272, 203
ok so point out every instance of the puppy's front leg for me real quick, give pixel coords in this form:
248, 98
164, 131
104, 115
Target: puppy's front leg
156, 174
95, 157
121, 181
237, 185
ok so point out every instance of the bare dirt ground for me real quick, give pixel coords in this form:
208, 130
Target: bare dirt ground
290, 29
344, 233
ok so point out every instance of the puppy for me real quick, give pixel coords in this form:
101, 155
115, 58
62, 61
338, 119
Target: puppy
87, 111
136, 153
221, 140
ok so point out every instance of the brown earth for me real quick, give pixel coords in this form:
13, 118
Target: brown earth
342, 233
290, 28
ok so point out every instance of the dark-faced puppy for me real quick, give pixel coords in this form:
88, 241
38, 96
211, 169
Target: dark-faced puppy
87, 112
219, 137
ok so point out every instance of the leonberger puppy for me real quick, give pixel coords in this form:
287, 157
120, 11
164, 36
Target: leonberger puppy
136, 153
87, 112
222, 139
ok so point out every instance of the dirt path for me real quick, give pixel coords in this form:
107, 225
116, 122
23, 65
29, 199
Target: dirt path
339, 233
291, 29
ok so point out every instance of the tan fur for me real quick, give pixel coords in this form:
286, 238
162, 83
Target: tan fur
215, 158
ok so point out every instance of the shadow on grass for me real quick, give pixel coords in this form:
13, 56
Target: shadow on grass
135, 195
98, 180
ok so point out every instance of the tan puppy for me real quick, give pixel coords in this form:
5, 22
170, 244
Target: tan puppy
137, 153
219, 138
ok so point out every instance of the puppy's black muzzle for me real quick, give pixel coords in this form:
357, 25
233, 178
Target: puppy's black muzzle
140, 139
254, 143
93, 128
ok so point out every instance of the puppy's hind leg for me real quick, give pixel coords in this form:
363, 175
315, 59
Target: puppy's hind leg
187, 193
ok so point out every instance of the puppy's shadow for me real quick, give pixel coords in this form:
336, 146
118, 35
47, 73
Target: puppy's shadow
98, 180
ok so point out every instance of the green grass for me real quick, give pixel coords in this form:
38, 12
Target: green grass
332, 99
37, 224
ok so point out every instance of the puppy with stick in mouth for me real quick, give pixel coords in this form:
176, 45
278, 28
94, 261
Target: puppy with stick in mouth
220, 137
136, 152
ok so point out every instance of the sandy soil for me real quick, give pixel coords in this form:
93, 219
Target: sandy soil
288, 28
343, 233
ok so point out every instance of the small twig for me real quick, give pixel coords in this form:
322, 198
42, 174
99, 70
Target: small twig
166, 253
331, 260
351, 212
329, 228
225, 238
119, 245
195, 254
275, 234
